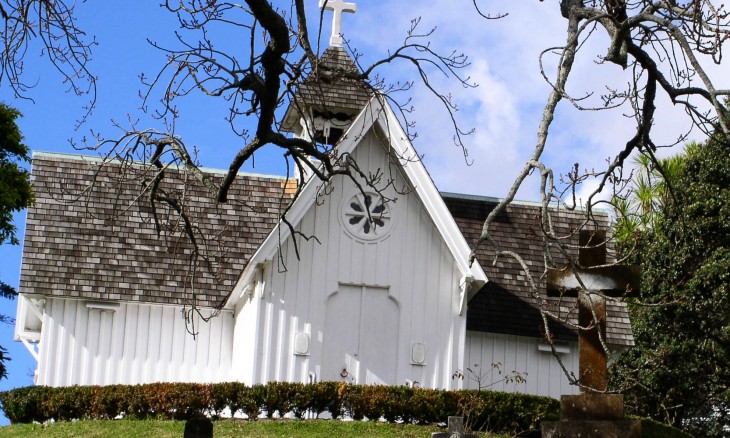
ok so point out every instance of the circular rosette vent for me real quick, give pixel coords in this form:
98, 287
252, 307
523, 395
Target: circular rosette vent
361, 225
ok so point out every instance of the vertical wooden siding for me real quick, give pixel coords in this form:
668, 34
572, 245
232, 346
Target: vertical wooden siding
412, 263
516, 353
137, 343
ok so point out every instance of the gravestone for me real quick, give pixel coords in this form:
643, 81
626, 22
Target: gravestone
455, 430
592, 413
198, 426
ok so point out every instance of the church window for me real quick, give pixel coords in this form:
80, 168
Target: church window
366, 226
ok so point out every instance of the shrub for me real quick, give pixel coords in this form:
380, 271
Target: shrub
226, 395
499, 412
279, 397
25, 405
326, 397
177, 400
106, 402
73, 402
251, 400
304, 400
353, 401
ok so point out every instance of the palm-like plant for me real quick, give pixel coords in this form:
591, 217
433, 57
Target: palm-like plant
637, 209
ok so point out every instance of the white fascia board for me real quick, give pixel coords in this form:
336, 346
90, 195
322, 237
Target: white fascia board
301, 205
244, 282
27, 308
380, 113
432, 200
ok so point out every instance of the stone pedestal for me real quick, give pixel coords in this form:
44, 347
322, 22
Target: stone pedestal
456, 430
199, 426
592, 416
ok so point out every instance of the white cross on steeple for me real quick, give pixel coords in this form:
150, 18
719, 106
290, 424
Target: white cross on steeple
338, 7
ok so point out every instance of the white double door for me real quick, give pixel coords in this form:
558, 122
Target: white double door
360, 342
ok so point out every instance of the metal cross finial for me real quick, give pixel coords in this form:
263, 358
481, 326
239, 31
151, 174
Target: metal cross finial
338, 7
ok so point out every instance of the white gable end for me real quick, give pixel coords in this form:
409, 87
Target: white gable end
361, 307
378, 118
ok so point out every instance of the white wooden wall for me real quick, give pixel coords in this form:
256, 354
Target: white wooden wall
412, 264
516, 353
136, 343
245, 336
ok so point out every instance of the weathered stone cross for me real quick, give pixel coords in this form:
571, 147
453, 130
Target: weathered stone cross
338, 7
611, 281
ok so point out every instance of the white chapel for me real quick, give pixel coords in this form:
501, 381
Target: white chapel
384, 294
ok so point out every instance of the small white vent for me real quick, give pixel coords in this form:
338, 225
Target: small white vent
418, 354
559, 348
301, 344
102, 305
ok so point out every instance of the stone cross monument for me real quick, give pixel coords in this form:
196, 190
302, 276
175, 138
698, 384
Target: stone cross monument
600, 281
338, 7
592, 413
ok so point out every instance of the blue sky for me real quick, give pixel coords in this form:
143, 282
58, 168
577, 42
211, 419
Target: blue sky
505, 109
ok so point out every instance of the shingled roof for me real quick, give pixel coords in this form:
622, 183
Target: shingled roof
326, 91
505, 304
97, 241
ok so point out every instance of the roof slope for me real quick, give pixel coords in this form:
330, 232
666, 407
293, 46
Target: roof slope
100, 242
505, 304
326, 91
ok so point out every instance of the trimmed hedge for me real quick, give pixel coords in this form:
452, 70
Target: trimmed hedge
486, 410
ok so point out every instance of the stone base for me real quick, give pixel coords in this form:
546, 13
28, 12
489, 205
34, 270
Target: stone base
199, 426
598, 407
449, 435
591, 429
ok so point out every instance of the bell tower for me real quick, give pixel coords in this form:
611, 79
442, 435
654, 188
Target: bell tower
329, 99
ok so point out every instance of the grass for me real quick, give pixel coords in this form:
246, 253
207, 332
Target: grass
223, 428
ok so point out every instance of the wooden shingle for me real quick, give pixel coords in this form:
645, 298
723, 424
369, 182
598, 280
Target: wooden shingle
506, 303
326, 90
90, 235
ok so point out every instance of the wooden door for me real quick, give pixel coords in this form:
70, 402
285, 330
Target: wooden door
361, 336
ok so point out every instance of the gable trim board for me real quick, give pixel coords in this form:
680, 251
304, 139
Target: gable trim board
376, 115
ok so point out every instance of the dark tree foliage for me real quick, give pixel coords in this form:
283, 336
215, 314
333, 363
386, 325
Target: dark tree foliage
15, 194
679, 370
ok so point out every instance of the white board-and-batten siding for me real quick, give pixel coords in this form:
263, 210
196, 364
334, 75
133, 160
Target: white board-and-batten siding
410, 273
518, 354
132, 344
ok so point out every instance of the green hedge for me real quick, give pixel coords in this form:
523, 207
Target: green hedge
496, 411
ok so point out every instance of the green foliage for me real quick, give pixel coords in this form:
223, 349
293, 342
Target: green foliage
251, 400
15, 194
279, 397
226, 395
24, 405
498, 412
15, 190
679, 370
639, 208
175, 400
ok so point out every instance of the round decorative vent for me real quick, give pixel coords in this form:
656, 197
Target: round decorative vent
355, 216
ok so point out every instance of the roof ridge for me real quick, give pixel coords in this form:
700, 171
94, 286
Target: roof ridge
92, 159
515, 202
337, 57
